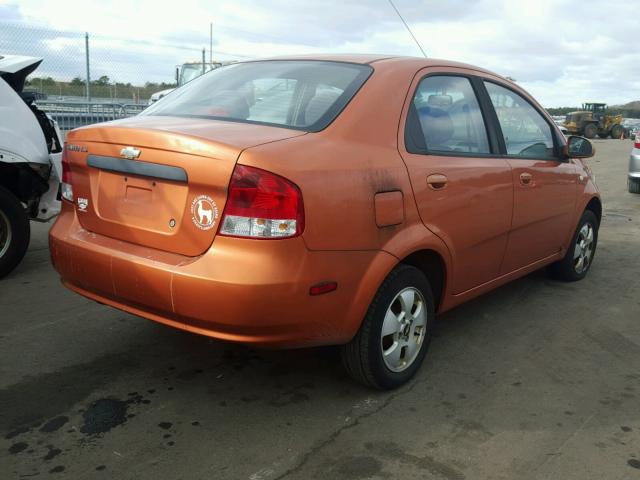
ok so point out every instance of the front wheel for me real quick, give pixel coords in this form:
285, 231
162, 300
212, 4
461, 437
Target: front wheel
577, 261
617, 132
14, 232
394, 336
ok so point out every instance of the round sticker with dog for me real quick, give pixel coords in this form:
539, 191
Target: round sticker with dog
204, 212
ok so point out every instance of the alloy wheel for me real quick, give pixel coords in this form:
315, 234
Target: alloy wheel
5, 234
403, 329
583, 250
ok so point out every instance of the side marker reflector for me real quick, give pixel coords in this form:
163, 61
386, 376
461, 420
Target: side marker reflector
323, 287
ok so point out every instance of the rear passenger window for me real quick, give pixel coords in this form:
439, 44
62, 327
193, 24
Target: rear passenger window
446, 117
525, 131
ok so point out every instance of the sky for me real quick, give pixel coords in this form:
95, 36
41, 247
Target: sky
563, 52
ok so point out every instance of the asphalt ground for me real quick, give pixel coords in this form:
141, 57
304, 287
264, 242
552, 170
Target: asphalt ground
536, 380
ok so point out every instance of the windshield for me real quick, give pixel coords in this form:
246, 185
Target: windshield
189, 72
300, 94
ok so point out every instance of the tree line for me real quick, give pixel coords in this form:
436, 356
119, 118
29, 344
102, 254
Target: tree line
102, 87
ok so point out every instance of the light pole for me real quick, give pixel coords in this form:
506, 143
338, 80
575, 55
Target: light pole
88, 82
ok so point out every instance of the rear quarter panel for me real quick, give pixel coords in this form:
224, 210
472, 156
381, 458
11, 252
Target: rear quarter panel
340, 169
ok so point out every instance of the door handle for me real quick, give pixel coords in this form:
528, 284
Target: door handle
525, 179
437, 181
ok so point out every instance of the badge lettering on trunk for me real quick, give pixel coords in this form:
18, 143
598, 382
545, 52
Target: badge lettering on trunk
204, 212
76, 148
130, 153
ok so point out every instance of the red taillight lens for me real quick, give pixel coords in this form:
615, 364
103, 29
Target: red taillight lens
262, 204
66, 184
636, 144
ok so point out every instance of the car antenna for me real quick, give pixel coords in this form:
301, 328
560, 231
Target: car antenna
408, 29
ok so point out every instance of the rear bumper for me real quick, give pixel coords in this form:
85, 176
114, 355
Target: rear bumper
250, 291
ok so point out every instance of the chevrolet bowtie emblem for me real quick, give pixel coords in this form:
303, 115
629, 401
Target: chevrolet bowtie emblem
130, 153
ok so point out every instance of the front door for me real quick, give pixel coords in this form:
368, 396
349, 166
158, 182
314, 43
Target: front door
544, 184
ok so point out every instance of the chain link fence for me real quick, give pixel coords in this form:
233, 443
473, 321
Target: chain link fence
86, 78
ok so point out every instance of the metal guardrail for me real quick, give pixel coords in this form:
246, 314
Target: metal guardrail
70, 115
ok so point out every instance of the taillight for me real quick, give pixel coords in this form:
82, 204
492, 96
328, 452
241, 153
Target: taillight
66, 184
636, 144
263, 205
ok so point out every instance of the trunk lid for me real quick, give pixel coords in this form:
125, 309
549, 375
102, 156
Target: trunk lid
160, 182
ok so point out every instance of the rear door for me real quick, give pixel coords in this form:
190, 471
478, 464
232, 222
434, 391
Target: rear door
463, 189
544, 183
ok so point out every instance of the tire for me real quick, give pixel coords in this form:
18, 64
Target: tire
15, 232
634, 185
590, 131
617, 131
364, 358
572, 268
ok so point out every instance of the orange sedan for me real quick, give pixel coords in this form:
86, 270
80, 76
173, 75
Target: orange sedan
324, 200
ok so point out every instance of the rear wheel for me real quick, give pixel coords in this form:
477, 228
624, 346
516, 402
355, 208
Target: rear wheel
590, 130
394, 336
634, 185
14, 231
577, 261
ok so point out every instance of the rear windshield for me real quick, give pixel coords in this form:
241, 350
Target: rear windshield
300, 94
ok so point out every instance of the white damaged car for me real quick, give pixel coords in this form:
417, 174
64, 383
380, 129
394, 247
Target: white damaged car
30, 161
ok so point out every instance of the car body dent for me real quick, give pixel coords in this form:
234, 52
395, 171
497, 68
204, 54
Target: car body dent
21, 137
22, 141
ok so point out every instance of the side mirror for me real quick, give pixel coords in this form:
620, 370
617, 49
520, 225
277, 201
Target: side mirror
578, 147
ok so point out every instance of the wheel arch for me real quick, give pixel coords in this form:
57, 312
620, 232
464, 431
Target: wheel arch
9, 178
431, 263
22, 181
414, 245
595, 205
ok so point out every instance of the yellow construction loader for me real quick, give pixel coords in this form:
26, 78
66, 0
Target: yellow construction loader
593, 120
